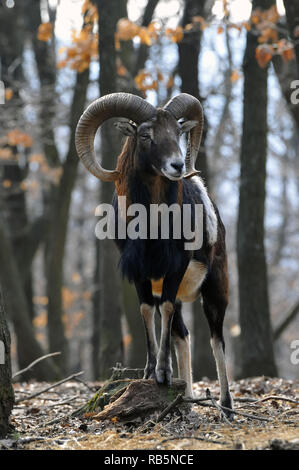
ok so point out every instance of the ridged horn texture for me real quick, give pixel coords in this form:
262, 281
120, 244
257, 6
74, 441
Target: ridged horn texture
188, 107
123, 105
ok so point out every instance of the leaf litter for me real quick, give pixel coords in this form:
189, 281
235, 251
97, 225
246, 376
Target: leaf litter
45, 421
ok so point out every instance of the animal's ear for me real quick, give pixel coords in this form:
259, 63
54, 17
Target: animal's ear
126, 128
186, 126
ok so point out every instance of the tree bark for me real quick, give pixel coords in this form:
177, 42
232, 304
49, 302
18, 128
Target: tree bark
286, 74
6, 389
189, 50
58, 229
289, 318
45, 60
109, 308
257, 357
137, 347
12, 30
28, 347
142, 53
292, 14
134, 60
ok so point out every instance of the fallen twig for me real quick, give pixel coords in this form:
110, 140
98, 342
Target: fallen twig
198, 401
65, 402
257, 400
39, 359
92, 389
26, 440
29, 397
56, 420
172, 405
261, 418
219, 407
215, 405
274, 397
197, 438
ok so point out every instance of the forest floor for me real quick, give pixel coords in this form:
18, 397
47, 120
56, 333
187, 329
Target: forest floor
44, 421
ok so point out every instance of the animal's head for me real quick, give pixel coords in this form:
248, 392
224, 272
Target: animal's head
157, 133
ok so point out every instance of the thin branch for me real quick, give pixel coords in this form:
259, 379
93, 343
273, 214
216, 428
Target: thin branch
274, 397
287, 320
245, 415
64, 402
220, 408
56, 420
35, 362
92, 389
49, 388
170, 407
224, 408
197, 438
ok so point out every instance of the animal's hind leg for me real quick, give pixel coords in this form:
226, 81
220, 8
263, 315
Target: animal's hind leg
181, 340
214, 294
147, 310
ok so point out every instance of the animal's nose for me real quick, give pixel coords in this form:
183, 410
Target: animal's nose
178, 166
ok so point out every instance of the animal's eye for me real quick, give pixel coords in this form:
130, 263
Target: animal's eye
145, 137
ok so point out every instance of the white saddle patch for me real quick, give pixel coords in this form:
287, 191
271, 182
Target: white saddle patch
211, 218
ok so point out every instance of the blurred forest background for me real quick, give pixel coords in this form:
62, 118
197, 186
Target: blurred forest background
62, 290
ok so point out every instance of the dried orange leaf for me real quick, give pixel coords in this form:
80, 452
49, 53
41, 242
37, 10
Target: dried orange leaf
235, 76
8, 94
264, 54
44, 32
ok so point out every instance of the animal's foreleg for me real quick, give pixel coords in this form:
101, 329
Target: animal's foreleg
148, 315
164, 366
170, 287
147, 310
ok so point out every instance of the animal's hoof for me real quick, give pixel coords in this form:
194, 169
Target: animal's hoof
149, 375
163, 375
229, 414
149, 372
228, 407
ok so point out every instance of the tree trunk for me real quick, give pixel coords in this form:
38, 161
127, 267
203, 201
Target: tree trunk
143, 49
137, 346
292, 14
136, 354
6, 389
28, 347
110, 303
58, 229
45, 60
11, 52
23, 236
189, 50
257, 357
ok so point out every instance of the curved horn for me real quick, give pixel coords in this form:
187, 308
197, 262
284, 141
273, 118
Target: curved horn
188, 107
115, 105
